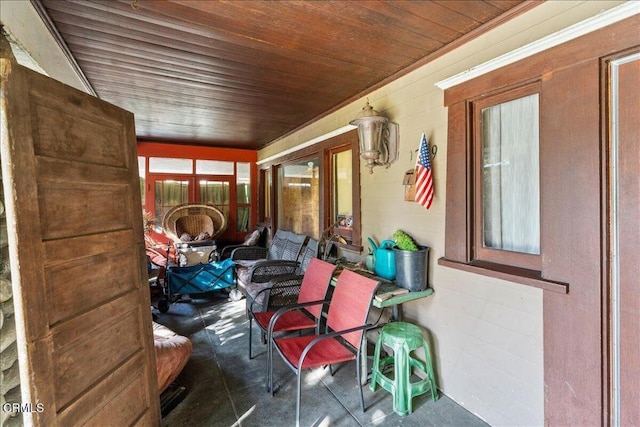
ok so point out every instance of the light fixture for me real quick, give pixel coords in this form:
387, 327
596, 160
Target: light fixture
378, 137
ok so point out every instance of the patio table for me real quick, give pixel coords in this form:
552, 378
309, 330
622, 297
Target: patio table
389, 295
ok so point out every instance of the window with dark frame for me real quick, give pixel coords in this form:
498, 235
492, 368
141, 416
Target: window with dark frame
506, 180
264, 195
298, 193
243, 196
494, 213
339, 185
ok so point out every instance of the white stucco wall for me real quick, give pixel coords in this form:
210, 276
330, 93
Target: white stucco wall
487, 334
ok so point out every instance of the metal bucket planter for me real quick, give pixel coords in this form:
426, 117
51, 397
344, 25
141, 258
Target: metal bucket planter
412, 268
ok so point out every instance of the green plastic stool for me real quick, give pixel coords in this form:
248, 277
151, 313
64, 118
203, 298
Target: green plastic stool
402, 338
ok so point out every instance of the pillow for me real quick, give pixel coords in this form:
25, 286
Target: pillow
186, 237
252, 239
203, 236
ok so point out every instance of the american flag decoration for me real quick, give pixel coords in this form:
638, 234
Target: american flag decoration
424, 176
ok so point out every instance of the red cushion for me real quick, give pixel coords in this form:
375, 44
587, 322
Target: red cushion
156, 257
325, 352
289, 321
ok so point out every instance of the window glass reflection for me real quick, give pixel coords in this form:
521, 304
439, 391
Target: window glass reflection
299, 197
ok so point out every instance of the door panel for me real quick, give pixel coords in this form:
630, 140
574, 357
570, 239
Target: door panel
68, 209
76, 242
71, 293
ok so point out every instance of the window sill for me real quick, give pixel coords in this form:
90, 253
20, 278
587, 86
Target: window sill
350, 247
512, 274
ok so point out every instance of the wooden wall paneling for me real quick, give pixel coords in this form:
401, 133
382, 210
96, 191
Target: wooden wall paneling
628, 211
266, 67
571, 242
458, 185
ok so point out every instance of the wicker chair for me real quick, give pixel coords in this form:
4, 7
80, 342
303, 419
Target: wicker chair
194, 220
264, 274
261, 231
283, 288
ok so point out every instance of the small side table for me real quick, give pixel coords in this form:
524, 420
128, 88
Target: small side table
394, 301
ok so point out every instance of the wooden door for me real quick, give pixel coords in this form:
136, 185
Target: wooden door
76, 242
624, 213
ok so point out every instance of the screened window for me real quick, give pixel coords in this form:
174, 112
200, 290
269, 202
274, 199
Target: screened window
341, 191
142, 173
169, 193
342, 181
215, 192
219, 177
265, 193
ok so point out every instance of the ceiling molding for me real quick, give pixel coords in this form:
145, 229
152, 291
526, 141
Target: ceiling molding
46, 20
339, 131
589, 25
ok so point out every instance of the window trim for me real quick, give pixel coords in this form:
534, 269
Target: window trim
264, 186
459, 227
352, 235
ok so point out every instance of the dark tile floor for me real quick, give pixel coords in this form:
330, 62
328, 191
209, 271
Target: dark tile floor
225, 388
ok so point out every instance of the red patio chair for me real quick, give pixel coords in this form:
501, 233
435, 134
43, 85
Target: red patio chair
312, 288
342, 342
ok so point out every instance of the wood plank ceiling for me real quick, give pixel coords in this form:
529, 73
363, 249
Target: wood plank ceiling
244, 73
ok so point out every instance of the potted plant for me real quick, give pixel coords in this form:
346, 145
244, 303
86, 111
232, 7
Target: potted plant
411, 262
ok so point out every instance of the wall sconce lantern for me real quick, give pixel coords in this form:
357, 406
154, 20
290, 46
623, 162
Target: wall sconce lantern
378, 137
